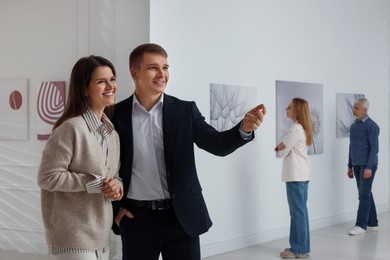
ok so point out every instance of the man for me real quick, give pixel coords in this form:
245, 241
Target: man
163, 210
363, 161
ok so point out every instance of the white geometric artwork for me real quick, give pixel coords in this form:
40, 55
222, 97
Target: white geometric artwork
229, 103
313, 94
344, 117
13, 109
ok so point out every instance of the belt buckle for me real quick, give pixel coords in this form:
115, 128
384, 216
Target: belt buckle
159, 205
154, 206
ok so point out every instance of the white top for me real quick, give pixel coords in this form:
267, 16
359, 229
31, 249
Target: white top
296, 164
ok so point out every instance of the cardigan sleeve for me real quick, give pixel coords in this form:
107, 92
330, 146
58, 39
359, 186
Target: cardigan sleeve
54, 173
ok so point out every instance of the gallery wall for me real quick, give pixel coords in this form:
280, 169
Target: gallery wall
40, 41
343, 45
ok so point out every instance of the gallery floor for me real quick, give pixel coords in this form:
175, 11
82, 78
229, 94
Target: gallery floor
328, 243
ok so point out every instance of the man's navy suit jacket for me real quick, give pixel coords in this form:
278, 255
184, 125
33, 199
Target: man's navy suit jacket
183, 125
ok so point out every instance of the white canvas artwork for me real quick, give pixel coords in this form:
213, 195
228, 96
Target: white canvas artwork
229, 103
344, 117
13, 109
313, 94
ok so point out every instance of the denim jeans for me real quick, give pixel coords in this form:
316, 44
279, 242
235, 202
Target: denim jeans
366, 215
299, 226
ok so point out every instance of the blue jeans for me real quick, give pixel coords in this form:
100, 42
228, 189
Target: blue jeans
299, 226
366, 215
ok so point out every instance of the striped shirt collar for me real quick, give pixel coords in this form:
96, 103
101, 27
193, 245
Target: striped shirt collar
94, 123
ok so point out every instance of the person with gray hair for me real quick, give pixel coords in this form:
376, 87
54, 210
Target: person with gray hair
363, 102
362, 164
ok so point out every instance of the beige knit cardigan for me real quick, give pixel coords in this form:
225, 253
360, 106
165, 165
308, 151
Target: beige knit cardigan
72, 217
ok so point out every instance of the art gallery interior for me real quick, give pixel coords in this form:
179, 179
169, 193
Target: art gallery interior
344, 46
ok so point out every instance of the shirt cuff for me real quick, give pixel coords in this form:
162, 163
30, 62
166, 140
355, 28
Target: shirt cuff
246, 136
95, 186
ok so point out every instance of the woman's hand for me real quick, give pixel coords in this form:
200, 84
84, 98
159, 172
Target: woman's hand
280, 147
112, 189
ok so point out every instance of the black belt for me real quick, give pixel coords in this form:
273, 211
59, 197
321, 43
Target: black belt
149, 204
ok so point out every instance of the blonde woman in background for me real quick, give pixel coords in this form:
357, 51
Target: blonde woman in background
296, 174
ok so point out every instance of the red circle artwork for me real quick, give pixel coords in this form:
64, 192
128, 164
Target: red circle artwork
15, 100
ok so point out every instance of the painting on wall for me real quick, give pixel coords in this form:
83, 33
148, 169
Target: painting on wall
50, 103
344, 116
229, 103
13, 109
313, 94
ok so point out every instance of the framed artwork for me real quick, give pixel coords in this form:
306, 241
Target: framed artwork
344, 114
14, 109
313, 94
229, 103
50, 103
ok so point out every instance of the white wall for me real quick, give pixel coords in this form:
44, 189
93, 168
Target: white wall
40, 41
342, 44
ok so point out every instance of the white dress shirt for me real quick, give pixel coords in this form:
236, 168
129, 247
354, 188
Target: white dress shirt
148, 179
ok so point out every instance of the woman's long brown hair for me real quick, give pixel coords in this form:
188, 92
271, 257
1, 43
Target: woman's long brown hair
77, 103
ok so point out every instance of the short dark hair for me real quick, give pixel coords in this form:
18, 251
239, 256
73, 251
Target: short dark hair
137, 54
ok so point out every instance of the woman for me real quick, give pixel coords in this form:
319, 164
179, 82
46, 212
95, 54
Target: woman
296, 174
78, 174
